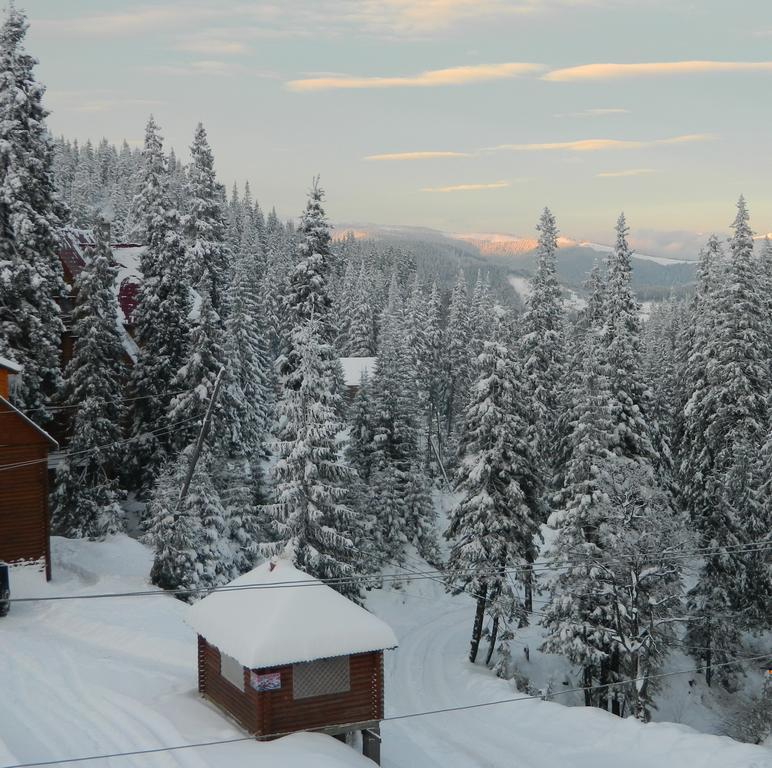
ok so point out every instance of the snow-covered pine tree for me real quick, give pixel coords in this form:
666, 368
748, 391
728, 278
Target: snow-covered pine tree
205, 224
577, 618
309, 511
416, 339
492, 528
481, 317
30, 273
361, 335
542, 348
661, 349
84, 502
161, 316
242, 420
359, 450
395, 452
621, 338
307, 294
732, 408
245, 414
194, 381
191, 551
456, 354
695, 459
642, 541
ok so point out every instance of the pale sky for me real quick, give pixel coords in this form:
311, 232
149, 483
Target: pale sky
462, 115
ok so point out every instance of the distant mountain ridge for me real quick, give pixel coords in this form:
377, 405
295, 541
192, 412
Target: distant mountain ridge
654, 277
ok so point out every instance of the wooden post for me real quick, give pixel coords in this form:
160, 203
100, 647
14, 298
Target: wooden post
200, 442
371, 743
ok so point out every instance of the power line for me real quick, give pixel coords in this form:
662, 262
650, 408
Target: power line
388, 718
159, 431
432, 574
79, 405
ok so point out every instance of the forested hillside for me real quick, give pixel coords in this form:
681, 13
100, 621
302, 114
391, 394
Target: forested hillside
641, 451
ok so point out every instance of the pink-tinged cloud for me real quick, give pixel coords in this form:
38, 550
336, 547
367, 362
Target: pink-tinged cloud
652, 69
432, 155
478, 73
598, 145
468, 187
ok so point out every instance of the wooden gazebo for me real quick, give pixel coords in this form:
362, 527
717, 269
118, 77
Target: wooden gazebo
282, 652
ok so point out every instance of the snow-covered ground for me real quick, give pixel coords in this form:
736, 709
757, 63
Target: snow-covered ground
83, 677
571, 299
87, 677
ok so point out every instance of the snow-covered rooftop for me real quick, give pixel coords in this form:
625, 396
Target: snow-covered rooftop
294, 618
354, 367
29, 422
9, 365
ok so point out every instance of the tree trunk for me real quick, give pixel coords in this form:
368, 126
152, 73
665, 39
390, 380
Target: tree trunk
528, 584
616, 704
708, 661
494, 633
478, 623
603, 690
587, 684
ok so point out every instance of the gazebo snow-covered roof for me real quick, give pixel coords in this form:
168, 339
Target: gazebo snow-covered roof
289, 617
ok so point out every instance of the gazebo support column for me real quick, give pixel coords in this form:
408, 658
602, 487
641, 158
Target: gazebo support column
371, 743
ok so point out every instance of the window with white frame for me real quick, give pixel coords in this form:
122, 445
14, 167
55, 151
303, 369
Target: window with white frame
232, 670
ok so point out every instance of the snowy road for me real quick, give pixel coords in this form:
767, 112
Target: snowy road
430, 671
89, 677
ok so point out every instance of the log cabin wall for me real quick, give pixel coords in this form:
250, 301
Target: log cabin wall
244, 705
268, 712
363, 702
24, 524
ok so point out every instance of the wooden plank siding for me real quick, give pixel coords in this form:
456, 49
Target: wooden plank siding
24, 524
270, 712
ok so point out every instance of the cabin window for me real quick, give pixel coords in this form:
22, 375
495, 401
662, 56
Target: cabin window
321, 677
232, 670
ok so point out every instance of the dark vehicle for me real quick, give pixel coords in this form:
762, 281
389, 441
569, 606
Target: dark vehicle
5, 590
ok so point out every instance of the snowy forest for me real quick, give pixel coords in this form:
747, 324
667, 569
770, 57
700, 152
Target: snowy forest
617, 469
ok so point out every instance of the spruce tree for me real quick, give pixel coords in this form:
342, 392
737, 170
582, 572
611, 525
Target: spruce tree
194, 382
85, 496
621, 338
313, 523
30, 273
732, 407
492, 528
161, 316
403, 517
456, 354
578, 620
542, 348
361, 335
205, 224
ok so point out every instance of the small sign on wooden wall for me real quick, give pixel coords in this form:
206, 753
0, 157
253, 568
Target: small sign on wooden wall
270, 681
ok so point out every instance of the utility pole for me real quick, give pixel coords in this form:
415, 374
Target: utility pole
199, 442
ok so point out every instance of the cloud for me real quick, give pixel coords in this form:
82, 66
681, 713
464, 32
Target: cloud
477, 73
214, 47
598, 112
629, 172
598, 145
468, 187
204, 67
97, 100
652, 69
416, 155
140, 19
